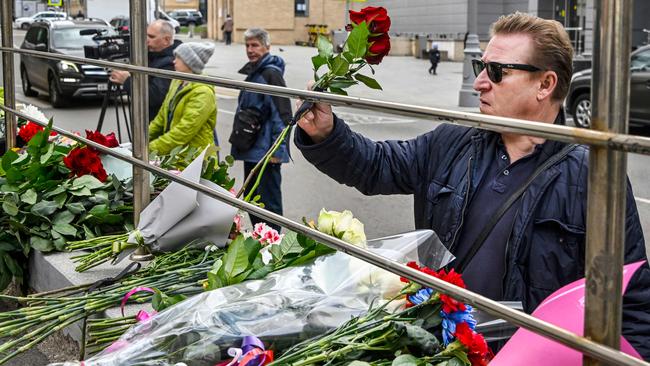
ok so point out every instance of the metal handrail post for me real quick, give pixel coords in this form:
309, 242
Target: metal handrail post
607, 177
139, 113
8, 72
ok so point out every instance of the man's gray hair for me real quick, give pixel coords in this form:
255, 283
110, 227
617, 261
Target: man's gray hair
165, 27
260, 34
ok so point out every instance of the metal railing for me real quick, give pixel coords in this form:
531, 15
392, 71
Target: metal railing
607, 173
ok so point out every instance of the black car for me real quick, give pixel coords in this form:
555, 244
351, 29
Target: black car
579, 104
62, 79
187, 17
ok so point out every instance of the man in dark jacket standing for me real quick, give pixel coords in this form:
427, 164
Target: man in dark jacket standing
274, 114
434, 58
461, 177
161, 45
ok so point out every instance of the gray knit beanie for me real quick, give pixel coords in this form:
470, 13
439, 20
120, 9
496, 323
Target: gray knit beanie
195, 55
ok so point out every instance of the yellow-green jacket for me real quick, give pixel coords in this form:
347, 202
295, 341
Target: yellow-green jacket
194, 115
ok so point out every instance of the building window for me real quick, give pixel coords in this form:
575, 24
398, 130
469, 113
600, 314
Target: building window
302, 8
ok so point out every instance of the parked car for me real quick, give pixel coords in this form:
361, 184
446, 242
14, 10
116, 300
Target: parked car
187, 17
122, 24
578, 101
62, 80
25, 22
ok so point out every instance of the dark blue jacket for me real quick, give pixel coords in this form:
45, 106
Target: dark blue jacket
276, 111
443, 168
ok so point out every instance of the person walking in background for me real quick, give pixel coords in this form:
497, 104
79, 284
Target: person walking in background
227, 28
160, 45
262, 118
434, 57
189, 112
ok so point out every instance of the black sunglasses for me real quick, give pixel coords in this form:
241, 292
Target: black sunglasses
495, 69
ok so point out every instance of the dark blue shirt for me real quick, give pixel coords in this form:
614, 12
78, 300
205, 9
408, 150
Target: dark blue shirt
484, 273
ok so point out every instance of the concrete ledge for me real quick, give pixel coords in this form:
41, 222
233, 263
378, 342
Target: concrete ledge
54, 271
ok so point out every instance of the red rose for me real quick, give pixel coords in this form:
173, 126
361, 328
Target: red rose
108, 140
379, 47
376, 17
29, 130
84, 160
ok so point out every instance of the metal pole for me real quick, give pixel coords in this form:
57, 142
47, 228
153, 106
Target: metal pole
629, 143
8, 72
492, 307
607, 176
139, 114
468, 97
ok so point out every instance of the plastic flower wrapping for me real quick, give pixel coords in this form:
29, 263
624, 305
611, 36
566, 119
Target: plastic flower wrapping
288, 306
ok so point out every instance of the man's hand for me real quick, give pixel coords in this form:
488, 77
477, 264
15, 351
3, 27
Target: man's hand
275, 160
318, 122
119, 76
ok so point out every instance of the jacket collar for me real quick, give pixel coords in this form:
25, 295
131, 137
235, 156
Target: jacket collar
169, 51
251, 67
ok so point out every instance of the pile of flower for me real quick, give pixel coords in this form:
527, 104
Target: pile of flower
52, 193
405, 337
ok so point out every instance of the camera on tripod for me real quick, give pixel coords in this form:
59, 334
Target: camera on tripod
109, 47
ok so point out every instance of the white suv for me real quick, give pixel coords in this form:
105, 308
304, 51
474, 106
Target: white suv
25, 22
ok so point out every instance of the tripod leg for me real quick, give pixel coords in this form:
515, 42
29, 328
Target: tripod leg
124, 113
117, 115
102, 114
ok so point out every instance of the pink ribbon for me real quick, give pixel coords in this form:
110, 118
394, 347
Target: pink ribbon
142, 315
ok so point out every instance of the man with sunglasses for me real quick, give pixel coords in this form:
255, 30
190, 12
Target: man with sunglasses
511, 208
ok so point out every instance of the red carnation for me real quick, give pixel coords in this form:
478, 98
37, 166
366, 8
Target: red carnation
30, 129
84, 160
376, 17
107, 140
477, 350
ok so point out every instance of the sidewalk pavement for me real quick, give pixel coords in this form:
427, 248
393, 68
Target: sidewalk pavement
404, 79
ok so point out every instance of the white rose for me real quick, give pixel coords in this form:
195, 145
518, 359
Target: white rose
355, 234
326, 221
342, 223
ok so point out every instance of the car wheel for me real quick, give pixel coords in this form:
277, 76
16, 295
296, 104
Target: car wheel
24, 26
27, 86
581, 111
56, 98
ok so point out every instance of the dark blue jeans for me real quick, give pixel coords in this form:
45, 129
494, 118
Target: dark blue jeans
269, 190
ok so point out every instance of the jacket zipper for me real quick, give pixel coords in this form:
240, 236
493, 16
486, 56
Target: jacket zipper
452, 246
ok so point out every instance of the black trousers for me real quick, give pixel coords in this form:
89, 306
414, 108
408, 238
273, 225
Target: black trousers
228, 37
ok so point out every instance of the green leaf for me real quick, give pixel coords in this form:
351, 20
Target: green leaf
340, 66
42, 244
342, 83
357, 42
99, 211
370, 82
239, 257
10, 208
8, 158
14, 175
76, 208
21, 158
87, 181
45, 157
325, 47
338, 91
289, 245
63, 217
60, 199
261, 272
13, 266
83, 192
58, 190
348, 56
405, 360
29, 197
6, 247
318, 61
160, 301
44, 208
64, 229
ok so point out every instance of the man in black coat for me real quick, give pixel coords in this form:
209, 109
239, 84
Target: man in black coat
161, 45
460, 178
434, 58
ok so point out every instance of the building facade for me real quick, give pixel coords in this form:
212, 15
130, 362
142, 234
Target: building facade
286, 20
446, 21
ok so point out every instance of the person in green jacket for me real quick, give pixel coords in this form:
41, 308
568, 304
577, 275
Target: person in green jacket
188, 114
